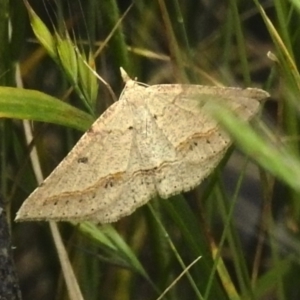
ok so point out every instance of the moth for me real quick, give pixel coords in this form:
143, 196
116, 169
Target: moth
156, 140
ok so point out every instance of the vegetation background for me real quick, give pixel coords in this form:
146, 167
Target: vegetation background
240, 227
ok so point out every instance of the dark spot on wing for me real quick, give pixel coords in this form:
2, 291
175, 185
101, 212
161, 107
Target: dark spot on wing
83, 160
109, 183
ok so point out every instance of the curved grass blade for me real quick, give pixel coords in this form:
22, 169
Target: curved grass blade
34, 105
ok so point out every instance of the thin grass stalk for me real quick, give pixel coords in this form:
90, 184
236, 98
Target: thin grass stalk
228, 233
176, 253
241, 45
176, 55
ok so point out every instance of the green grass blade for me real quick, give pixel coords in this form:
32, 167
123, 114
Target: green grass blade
278, 160
33, 105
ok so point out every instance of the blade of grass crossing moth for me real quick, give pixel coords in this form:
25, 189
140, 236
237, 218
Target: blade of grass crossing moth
279, 161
